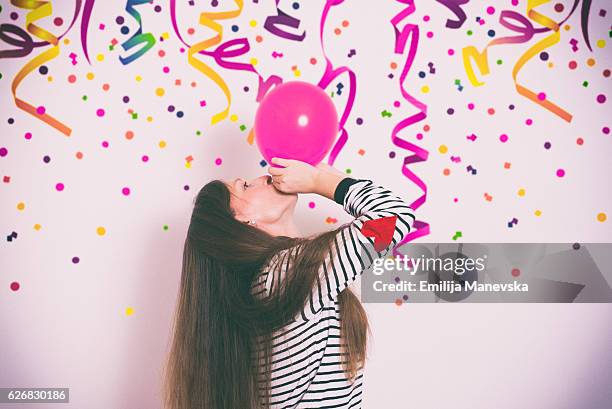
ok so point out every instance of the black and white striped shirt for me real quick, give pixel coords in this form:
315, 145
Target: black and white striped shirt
306, 367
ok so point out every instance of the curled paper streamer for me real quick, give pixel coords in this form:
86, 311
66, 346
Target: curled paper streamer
409, 32
87, 9
329, 75
25, 44
39, 9
455, 7
584, 21
209, 20
139, 37
526, 32
283, 19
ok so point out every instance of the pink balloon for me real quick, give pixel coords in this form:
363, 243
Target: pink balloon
296, 120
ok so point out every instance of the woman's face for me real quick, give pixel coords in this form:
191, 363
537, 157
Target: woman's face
257, 199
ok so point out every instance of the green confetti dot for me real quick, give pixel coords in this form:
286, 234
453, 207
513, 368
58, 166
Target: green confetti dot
198, 133
84, 97
499, 62
585, 84
166, 228
134, 115
243, 127
111, 47
348, 171
469, 32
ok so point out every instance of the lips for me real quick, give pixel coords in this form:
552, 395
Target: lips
269, 180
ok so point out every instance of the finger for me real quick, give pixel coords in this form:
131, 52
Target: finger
281, 161
277, 179
275, 171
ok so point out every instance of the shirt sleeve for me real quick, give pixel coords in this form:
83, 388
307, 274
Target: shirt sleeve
351, 251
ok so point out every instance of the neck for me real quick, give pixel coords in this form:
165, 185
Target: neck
284, 226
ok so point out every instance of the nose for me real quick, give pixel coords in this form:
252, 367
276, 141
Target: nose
264, 180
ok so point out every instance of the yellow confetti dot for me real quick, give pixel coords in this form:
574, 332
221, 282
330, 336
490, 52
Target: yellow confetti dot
424, 89
129, 311
101, 231
233, 117
297, 73
442, 149
50, 78
591, 62
138, 78
165, 35
100, 57
188, 165
90, 76
601, 43
550, 64
521, 192
160, 92
253, 61
601, 217
66, 41
538, 213
252, 23
149, 119
567, 27
37, 227
20, 206
162, 144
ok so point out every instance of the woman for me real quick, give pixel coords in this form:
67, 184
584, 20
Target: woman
265, 318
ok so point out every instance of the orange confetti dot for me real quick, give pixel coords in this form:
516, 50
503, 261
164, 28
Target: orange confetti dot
345, 23
426, 128
398, 302
259, 39
590, 62
72, 78
161, 53
129, 135
105, 87
361, 152
337, 31
507, 165
79, 155
393, 65
446, 172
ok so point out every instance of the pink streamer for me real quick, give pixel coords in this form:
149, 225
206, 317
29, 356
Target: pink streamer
409, 31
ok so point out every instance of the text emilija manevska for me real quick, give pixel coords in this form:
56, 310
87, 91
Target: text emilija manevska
457, 265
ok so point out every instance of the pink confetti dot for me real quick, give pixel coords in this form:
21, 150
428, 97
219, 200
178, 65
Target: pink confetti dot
14, 286
515, 2
72, 78
419, 136
3, 151
145, 158
28, 135
541, 96
580, 141
503, 137
529, 121
601, 98
516, 272
125, 191
100, 112
311, 205
426, 18
605, 130
59, 187
396, 104
470, 106
560, 173
455, 200
429, 34
218, 161
490, 10
451, 51
166, 70
105, 144
40, 110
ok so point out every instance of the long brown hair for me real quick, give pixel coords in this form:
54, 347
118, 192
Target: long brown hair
220, 330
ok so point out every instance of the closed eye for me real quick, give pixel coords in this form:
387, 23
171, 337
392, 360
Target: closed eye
244, 185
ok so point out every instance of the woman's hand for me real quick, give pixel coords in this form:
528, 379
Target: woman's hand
295, 177
301, 177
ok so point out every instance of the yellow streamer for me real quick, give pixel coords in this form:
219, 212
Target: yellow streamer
40, 9
208, 20
538, 47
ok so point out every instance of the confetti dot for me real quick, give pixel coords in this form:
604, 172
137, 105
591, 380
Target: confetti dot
541, 96
160, 92
218, 161
100, 57
20, 206
560, 173
580, 141
40, 110
516, 272
601, 98
101, 231
547, 145
521, 192
58, 21
311, 205
450, 51
59, 187
100, 112
3, 152
76, 260
442, 149
490, 10
43, 69
129, 311
538, 213
601, 43
572, 65
252, 23
601, 217
14, 286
